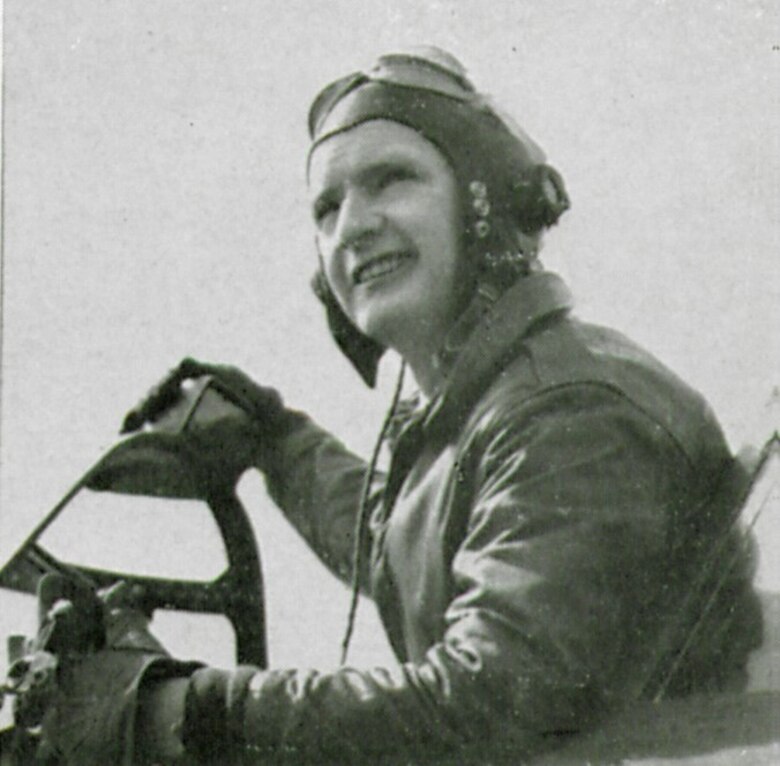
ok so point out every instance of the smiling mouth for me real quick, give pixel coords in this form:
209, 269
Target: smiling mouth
378, 267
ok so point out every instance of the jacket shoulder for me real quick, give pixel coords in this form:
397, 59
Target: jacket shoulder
568, 353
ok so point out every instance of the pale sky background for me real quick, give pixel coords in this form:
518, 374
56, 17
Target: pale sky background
155, 206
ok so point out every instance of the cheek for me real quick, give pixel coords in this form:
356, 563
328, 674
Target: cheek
333, 269
448, 242
456, 271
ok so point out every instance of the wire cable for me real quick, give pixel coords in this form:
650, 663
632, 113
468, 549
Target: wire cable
362, 518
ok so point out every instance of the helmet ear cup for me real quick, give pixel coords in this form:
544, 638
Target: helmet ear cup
362, 351
540, 198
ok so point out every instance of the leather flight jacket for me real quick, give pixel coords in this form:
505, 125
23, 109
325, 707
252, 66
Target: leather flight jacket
534, 539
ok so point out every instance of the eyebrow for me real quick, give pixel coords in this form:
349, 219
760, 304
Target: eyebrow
373, 169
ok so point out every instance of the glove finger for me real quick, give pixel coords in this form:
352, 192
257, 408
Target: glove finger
257, 400
234, 380
160, 398
53, 587
59, 595
163, 395
194, 368
70, 616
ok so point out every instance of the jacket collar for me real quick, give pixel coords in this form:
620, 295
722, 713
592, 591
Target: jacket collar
492, 343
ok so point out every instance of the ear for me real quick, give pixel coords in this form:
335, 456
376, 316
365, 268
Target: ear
362, 351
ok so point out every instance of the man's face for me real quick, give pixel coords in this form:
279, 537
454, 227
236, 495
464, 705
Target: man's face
386, 209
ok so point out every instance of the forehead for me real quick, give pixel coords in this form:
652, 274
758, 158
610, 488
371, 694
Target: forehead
371, 143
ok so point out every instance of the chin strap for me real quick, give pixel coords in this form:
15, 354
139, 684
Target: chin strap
363, 352
363, 512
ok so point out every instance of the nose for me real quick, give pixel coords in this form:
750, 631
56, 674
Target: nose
359, 222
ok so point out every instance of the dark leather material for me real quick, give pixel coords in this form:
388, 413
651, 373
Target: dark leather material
532, 542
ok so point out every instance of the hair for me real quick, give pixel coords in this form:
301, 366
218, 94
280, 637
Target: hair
508, 194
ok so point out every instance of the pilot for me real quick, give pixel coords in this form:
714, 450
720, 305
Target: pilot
532, 547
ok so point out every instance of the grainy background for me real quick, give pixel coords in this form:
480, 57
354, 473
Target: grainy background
155, 206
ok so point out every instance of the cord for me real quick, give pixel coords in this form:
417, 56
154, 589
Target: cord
362, 517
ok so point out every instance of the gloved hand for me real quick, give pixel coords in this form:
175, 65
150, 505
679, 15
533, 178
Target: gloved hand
70, 624
262, 403
91, 718
222, 442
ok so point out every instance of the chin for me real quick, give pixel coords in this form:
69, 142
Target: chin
378, 329
385, 324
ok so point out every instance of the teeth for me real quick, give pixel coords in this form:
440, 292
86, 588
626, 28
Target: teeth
378, 267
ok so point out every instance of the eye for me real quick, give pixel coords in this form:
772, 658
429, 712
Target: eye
394, 174
323, 208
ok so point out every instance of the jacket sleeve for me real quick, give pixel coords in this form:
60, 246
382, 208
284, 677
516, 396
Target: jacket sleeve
554, 582
317, 482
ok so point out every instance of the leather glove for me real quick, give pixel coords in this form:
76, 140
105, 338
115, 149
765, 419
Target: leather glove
223, 441
262, 403
91, 718
71, 624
